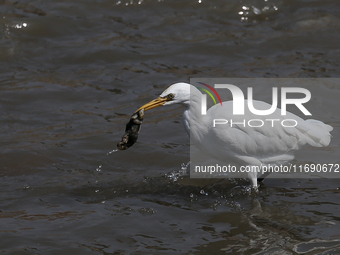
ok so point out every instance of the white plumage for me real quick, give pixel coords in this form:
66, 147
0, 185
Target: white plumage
240, 143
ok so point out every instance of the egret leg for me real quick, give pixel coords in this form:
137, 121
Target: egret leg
253, 179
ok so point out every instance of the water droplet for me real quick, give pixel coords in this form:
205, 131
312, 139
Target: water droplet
256, 10
97, 190
266, 8
202, 191
110, 152
99, 168
18, 26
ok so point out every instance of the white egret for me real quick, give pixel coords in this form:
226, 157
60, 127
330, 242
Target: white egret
251, 146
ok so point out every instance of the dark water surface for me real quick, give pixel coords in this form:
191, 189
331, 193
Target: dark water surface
72, 72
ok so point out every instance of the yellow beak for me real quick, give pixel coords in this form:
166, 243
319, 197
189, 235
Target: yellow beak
153, 104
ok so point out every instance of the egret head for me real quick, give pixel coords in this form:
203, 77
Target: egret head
178, 93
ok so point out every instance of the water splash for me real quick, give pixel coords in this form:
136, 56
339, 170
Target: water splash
174, 175
253, 13
184, 167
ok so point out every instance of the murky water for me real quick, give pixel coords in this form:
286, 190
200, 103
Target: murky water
72, 73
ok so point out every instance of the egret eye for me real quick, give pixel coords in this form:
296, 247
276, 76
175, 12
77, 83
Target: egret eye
170, 96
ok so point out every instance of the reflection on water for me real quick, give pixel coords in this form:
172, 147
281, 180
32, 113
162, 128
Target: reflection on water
72, 72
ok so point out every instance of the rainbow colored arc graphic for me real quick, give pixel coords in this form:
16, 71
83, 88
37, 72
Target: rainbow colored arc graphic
208, 92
